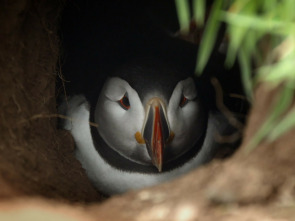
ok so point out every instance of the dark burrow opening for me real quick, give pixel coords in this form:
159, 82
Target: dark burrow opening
138, 42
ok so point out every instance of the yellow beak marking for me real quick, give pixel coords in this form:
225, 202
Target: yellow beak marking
139, 138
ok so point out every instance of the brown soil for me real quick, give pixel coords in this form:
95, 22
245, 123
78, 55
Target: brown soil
39, 176
33, 155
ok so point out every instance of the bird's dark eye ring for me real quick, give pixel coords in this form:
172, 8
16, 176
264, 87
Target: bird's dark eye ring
183, 101
124, 102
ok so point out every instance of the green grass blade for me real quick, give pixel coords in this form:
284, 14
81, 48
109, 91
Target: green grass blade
278, 72
264, 24
245, 62
287, 123
183, 13
237, 34
283, 101
199, 9
209, 37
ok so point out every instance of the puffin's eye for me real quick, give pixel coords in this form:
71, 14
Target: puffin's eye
124, 102
183, 101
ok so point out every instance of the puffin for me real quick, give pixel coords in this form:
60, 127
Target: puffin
144, 129
141, 117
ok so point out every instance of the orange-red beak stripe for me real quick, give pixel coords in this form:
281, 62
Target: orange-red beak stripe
158, 141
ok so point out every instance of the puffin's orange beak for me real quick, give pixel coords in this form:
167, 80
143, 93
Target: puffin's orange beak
156, 131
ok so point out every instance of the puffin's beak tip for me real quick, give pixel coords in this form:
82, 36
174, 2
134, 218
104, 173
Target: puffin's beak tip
158, 165
160, 169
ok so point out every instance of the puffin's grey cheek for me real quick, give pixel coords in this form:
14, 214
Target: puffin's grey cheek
118, 127
108, 115
177, 126
188, 126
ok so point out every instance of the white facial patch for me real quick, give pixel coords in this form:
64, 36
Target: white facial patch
187, 122
118, 126
188, 88
115, 88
